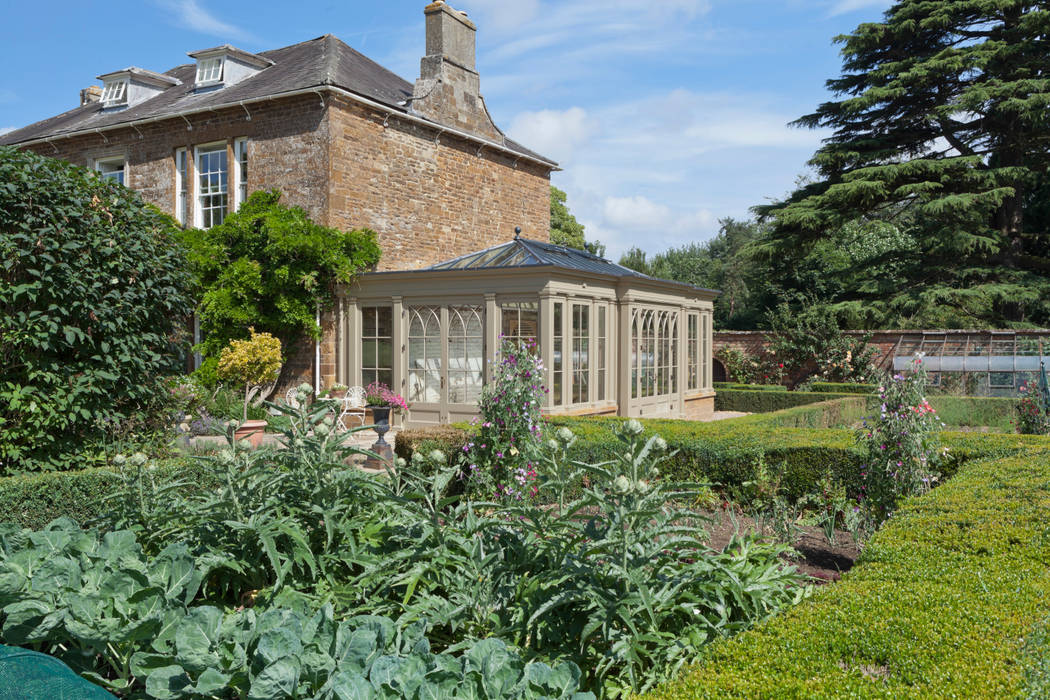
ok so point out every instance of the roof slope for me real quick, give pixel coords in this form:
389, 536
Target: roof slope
522, 252
320, 62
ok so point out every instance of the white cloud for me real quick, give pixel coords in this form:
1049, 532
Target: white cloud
556, 134
635, 213
660, 171
842, 7
7, 129
189, 14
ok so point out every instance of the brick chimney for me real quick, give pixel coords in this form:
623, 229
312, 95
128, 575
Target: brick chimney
92, 93
449, 90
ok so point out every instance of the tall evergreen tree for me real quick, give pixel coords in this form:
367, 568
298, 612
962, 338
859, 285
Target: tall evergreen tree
942, 127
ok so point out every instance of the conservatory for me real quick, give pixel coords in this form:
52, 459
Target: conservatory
613, 341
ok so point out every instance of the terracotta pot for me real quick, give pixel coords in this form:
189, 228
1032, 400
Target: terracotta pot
341, 394
252, 431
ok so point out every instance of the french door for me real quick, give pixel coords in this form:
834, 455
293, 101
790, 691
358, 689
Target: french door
446, 362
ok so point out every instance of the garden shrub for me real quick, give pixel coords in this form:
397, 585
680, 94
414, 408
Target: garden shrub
254, 363
448, 439
94, 295
939, 604
1033, 410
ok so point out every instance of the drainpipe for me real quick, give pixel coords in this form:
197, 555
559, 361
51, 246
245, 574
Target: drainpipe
317, 357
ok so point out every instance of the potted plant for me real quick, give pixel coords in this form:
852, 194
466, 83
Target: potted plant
337, 391
255, 363
381, 400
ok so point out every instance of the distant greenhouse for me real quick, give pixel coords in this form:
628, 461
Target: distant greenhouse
983, 363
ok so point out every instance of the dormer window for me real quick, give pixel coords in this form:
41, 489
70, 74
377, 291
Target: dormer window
222, 66
132, 86
115, 93
209, 71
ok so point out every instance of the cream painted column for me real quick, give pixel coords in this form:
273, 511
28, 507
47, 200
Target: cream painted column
682, 344
623, 364
397, 344
709, 323
492, 329
341, 362
397, 349
546, 341
353, 342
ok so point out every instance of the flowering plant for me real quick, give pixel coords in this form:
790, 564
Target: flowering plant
900, 443
379, 394
501, 458
1033, 415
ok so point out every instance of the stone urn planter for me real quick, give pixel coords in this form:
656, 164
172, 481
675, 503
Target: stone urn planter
381, 419
252, 431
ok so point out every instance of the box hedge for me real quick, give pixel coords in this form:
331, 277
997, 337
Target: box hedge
751, 401
749, 387
842, 388
34, 500
939, 604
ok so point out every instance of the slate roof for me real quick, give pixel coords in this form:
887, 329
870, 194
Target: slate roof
324, 61
522, 252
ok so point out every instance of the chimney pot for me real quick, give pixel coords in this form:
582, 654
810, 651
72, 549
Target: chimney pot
92, 93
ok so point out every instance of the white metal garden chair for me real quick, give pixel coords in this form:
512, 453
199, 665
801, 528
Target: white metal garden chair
353, 405
290, 397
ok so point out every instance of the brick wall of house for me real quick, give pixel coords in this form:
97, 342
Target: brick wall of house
288, 149
429, 197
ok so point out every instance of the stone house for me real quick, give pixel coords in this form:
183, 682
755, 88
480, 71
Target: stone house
342, 137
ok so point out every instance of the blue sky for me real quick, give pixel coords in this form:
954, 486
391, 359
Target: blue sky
666, 115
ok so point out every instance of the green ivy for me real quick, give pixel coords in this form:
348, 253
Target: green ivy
269, 266
94, 295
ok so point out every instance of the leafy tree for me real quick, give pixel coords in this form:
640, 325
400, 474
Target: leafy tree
725, 263
566, 230
270, 267
942, 129
94, 295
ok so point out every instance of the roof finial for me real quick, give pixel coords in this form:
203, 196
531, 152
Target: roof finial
517, 232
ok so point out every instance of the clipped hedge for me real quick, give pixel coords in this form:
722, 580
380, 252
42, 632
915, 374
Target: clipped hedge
836, 413
939, 604
450, 439
749, 387
998, 413
751, 401
842, 388
34, 500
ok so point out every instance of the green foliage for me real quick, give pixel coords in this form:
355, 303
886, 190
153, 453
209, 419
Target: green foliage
811, 340
974, 411
93, 297
939, 604
269, 266
745, 368
295, 526
939, 135
129, 621
566, 230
